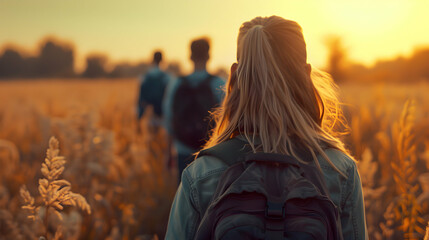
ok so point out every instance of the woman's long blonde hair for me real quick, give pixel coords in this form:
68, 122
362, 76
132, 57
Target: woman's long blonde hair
272, 97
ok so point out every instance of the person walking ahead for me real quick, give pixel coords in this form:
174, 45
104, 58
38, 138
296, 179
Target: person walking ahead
187, 103
273, 168
152, 88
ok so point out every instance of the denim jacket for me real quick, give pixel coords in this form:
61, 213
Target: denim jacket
200, 178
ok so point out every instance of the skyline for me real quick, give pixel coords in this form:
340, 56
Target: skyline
132, 31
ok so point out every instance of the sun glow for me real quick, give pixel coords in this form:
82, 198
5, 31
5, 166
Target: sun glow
370, 29
366, 16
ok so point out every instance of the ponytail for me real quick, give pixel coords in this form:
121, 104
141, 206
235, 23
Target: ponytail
272, 97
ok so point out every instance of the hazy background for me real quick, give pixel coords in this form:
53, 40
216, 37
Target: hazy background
68, 68
129, 31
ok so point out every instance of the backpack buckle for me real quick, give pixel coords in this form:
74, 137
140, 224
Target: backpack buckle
275, 211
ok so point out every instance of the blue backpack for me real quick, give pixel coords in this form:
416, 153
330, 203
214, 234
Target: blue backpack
268, 196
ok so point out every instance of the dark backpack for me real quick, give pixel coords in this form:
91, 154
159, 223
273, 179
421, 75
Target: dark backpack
191, 108
268, 196
152, 91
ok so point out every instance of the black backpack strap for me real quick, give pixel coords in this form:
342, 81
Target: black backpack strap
208, 96
208, 79
230, 151
235, 150
205, 84
273, 158
184, 81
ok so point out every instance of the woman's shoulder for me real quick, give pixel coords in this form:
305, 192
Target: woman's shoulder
342, 161
204, 167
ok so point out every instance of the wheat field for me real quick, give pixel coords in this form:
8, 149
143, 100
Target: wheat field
101, 179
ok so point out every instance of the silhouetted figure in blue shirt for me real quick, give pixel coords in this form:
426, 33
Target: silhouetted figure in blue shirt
152, 88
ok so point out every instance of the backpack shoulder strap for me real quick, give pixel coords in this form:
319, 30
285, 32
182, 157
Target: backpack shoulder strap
206, 82
230, 152
183, 80
209, 78
235, 150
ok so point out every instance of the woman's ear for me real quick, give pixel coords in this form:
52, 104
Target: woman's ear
308, 68
232, 76
233, 68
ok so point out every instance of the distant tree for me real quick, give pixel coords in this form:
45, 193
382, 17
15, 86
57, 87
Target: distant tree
122, 70
141, 68
418, 65
393, 70
30, 67
55, 60
95, 66
11, 64
336, 58
126, 70
401, 69
356, 71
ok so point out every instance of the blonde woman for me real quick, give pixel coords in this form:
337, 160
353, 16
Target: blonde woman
275, 103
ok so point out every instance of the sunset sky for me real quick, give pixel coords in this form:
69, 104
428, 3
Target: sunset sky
132, 29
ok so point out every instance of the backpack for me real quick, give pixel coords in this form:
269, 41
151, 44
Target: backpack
152, 91
191, 108
268, 196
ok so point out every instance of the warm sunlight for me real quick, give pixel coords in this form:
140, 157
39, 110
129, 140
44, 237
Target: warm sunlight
214, 119
370, 29
367, 16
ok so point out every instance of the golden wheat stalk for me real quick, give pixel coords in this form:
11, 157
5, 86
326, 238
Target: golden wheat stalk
404, 174
55, 192
427, 232
28, 202
9, 157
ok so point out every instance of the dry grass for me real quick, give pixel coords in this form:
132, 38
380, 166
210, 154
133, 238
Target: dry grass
405, 207
123, 177
55, 193
388, 137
